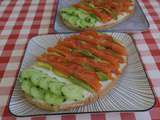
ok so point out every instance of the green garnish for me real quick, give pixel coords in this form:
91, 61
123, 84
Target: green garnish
87, 54
102, 76
79, 83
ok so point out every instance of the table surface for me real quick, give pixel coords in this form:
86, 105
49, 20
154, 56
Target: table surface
22, 19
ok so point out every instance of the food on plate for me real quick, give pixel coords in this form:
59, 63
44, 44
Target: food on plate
96, 14
76, 71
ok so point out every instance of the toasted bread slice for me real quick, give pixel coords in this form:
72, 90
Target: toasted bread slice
89, 96
103, 25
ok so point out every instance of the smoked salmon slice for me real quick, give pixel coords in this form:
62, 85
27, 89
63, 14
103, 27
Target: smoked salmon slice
105, 10
74, 53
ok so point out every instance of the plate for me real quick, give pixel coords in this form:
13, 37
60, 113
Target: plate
135, 23
131, 93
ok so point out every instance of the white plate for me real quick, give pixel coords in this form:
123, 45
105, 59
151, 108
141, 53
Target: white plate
136, 22
132, 92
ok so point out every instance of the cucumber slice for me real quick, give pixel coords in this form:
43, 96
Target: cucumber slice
35, 79
73, 92
82, 23
65, 16
25, 74
26, 86
28, 73
37, 93
90, 20
69, 10
72, 20
56, 87
80, 14
44, 83
53, 99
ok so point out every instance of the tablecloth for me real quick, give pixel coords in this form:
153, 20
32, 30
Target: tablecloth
22, 19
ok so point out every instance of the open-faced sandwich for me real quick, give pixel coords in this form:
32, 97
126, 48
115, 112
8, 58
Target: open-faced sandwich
77, 71
97, 14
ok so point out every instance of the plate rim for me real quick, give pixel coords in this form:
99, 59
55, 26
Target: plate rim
21, 61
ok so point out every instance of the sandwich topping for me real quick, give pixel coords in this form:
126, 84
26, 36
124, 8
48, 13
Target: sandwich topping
87, 13
48, 89
79, 63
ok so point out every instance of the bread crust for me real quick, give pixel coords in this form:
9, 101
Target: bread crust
88, 100
100, 27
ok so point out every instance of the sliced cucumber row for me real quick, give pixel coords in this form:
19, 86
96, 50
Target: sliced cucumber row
78, 17
42, 87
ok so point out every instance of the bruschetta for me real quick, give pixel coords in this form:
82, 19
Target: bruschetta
77, 71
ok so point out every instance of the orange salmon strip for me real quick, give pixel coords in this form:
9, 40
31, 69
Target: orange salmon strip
106, 43
115, 47
103, 17
80, 60
94, 51
118, 7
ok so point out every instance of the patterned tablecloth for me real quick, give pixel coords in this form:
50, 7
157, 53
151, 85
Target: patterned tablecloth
22, 19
